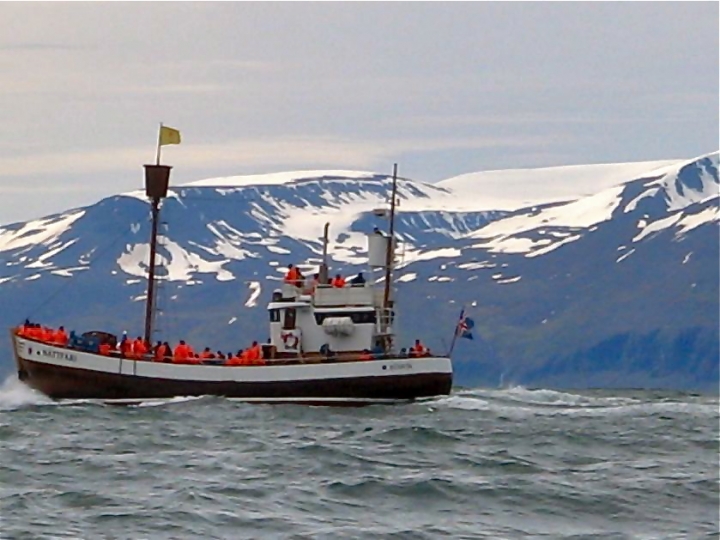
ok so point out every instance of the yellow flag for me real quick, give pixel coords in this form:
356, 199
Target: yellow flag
169, 135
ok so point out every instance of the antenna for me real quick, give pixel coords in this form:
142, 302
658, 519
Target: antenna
389, 254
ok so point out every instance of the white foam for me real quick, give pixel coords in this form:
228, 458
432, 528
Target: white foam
14, 395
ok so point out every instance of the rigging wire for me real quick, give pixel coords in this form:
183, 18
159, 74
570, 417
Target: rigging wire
98, 256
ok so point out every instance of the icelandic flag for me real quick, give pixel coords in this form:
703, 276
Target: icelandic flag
465, 326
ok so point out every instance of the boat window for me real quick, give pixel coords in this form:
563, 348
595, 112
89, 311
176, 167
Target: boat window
274, 315
358, 317
289, 322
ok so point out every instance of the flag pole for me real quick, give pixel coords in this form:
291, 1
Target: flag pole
455, 333
157, 158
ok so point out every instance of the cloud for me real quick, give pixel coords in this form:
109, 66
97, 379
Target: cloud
251, 154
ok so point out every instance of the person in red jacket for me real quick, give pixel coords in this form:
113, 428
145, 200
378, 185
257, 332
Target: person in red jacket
418, 349
338, 281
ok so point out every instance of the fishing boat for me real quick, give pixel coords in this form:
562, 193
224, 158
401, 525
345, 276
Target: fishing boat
328, 345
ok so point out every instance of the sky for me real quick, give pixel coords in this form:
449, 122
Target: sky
442, 89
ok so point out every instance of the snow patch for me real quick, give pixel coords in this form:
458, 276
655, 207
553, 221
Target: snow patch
255, 290
406, 278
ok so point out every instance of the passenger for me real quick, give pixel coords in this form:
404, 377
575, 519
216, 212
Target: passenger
255, 352
139, 348
240, 359
207, 354
60, 337
358, 281
338, 282
314, 282
47, 334
168, 352
125, 347
293, 276
403, 353
105, 348
220, 355
366, 355
418, 349
161, 351
181, 353
31, 331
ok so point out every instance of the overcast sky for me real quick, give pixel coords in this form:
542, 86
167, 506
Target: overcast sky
440, 88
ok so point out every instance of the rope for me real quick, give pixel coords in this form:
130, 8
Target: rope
71, 281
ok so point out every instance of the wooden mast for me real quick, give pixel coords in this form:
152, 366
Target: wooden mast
149, 304
157, 178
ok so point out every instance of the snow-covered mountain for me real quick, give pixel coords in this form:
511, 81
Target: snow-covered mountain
583, 275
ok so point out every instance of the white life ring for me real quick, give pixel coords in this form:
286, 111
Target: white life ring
290, 341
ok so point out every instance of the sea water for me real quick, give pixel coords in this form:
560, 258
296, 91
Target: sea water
481, 463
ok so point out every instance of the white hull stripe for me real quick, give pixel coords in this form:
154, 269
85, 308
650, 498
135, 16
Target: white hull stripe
58, 356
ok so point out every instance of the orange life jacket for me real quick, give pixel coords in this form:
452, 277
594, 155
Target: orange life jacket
138, 348
366, 356
181, 353
105, 349
338, 282
292, 276
60, 337
234, 360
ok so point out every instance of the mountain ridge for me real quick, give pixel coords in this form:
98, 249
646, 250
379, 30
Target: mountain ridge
572, 263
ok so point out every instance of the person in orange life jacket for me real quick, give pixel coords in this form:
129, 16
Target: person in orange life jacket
60, 337
366, 355
138, 348
239, 359
293, 275
255, 354
161, 351
47, 334
220, 355
207, 354
181, 352
418, 349
338, 282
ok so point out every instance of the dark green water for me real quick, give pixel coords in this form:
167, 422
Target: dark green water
483, 463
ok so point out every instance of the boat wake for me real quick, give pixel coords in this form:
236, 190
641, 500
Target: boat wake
14, 394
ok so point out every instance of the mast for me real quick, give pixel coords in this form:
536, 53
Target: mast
389, 253
157, 178
150, 301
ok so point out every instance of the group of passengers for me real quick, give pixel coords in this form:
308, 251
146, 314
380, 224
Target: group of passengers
140, 349
43, 333
294, 276
183, 353
418, 350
